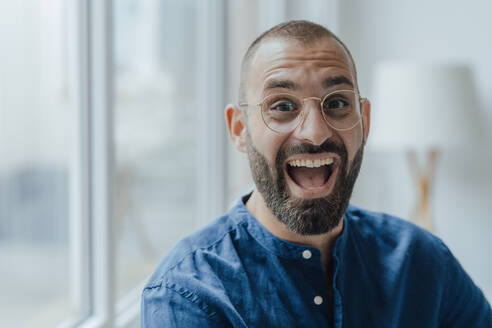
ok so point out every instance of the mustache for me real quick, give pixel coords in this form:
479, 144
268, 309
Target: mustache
305, 148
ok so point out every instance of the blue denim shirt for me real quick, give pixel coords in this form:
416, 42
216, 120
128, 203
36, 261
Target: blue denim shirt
386, 273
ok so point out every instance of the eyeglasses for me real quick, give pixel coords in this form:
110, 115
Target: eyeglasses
283, 112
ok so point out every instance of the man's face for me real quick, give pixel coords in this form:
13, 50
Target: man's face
307, 200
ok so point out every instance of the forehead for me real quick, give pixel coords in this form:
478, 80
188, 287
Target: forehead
304, 65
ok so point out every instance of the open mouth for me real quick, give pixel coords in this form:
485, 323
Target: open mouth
311, 174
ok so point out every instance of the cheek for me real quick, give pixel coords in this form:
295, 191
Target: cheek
267, 143
268, 147
352, 142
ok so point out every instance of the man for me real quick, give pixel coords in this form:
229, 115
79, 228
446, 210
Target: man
293, 253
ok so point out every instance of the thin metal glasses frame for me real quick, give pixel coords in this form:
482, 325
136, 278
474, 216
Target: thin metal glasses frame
321, 101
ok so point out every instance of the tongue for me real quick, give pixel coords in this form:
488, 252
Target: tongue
309, 177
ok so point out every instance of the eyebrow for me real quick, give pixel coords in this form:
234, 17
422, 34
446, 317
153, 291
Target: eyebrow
290, 85
336, 80
282, 84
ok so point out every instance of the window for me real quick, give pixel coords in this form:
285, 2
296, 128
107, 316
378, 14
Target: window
156, 132
111, 132
34, 170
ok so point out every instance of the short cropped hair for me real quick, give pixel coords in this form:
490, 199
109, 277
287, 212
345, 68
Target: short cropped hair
301, 31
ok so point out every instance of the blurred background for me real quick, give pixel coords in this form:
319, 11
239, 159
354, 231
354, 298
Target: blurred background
168, 67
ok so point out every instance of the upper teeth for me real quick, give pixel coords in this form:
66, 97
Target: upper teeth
311, 163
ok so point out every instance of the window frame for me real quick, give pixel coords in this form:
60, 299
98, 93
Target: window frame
91, 183
211, 139
92, 240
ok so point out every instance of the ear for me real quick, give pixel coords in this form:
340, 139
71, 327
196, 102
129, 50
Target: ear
366, 117
236, 125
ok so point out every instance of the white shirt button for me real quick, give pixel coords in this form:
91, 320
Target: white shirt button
318, 300
306, 254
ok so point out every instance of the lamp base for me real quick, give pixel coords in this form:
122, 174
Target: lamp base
423, 178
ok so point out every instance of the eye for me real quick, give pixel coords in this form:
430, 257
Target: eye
283, 105
331, 104
338, 106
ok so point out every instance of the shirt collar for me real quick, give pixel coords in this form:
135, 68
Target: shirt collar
278, 246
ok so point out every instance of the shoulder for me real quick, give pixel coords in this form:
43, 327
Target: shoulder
396, 253
193, 252
186, 284
389, 235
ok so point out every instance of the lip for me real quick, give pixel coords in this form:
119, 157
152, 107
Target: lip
318, 192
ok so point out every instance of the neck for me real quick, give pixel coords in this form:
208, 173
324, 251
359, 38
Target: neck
324, 242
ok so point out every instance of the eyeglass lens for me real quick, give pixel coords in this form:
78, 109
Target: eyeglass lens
283, 112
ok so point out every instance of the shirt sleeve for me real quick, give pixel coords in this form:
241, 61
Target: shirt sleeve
463, 304
167, 307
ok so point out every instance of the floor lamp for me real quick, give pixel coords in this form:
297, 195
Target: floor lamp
423, 109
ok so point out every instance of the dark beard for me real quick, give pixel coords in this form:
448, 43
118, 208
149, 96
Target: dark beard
305, 216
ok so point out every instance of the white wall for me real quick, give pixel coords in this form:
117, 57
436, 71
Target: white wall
459, 31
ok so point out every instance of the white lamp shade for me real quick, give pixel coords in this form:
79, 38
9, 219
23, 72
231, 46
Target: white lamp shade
422, 106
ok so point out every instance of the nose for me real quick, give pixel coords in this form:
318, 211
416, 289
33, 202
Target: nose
313, 128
